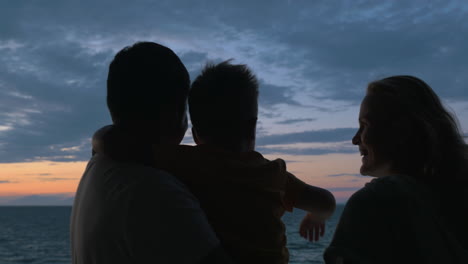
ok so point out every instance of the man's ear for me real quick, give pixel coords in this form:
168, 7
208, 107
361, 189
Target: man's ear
195, 136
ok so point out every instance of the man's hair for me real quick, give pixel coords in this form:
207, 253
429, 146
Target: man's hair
416, 133
143, 80
223, 102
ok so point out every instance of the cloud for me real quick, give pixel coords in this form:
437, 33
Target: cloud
59, 112
56, 179
294, 121
5, 181
310, 148
325, 135
344, 189
10, 45
345, 174
271, 94
309, 56
38, 174
301, 151
194, 62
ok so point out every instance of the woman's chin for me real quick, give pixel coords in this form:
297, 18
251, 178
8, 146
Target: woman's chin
365, 171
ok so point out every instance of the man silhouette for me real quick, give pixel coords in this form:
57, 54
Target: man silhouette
128, 212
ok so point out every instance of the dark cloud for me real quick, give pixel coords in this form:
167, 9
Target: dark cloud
291, 161
271, 94
56, 179
5, 181
343, 189
38, 174
354, 180
325, 135
345, 174
342, 46
294, 121
193, 57
303, 151
280, 142
52, 106
194, 62
54, 57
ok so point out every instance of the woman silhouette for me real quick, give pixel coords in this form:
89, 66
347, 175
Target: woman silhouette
416, 210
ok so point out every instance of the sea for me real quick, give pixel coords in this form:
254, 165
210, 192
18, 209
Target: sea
40, 235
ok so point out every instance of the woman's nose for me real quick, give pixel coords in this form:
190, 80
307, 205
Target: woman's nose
356, 139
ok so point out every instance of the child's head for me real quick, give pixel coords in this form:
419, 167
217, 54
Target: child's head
223, 105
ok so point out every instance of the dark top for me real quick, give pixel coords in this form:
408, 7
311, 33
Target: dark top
243, 195
396, 219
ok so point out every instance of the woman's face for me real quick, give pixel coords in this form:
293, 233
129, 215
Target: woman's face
373, 164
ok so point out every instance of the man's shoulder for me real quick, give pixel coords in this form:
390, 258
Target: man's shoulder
110, 166
131, 175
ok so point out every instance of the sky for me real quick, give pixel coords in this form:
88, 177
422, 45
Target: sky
313, 59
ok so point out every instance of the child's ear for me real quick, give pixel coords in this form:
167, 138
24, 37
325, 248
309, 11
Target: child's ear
195, 136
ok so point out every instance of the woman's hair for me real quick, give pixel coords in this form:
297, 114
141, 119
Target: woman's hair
414, 130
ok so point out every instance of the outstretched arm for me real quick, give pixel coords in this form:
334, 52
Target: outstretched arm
319, 202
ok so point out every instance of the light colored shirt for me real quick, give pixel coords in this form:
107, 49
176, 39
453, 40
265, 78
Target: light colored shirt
130, 213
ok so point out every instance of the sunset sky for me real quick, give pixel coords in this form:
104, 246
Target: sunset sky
313, 60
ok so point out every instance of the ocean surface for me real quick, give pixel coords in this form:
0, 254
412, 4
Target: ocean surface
40, 235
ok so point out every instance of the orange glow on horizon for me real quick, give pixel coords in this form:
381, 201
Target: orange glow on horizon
336, 172
48, 177
42, 177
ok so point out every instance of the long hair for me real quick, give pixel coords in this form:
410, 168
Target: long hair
417, 134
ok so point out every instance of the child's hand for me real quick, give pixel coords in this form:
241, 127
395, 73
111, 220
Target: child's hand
311, 228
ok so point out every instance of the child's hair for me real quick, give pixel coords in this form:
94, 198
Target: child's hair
223, 103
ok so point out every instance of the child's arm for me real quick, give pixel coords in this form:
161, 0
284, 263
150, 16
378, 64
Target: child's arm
319, 202
311, 229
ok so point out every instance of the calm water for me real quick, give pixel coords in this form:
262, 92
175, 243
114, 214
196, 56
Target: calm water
39, 235
302, 251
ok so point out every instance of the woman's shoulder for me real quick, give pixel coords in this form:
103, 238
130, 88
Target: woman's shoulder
384, 192
397, 184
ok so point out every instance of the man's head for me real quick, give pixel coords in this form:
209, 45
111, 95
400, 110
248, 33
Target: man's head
147, 90
223, 105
